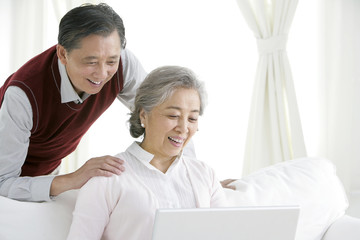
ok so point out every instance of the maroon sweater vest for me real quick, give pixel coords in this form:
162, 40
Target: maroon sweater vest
57, 127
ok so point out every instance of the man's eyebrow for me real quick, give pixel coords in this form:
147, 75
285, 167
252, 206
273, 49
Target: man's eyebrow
115, 57
178, 108
90, 58
94, 57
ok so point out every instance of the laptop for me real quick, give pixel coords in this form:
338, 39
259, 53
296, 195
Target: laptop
240, 223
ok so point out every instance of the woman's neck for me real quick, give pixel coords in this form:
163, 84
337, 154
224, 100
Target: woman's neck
162, 164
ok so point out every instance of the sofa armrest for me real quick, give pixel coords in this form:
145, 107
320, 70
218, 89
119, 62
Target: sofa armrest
344, 228
33, 220
311, 183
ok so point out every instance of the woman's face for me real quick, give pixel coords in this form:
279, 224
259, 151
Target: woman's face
170, 125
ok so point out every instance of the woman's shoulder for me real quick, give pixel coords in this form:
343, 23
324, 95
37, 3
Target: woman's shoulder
195, 163
122, 155
114, 179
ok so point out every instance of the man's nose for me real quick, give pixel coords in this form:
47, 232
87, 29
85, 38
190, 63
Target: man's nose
101, 71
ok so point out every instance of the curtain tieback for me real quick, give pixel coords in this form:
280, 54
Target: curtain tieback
271, 45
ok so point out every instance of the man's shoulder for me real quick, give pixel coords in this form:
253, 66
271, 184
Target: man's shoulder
38, 66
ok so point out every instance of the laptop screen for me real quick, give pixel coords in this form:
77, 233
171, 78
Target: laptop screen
240, 223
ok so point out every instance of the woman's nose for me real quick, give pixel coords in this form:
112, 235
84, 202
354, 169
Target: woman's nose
182, 126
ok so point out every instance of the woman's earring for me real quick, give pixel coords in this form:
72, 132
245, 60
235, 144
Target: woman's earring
142, 125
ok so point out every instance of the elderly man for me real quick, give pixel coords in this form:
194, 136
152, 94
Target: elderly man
53, 99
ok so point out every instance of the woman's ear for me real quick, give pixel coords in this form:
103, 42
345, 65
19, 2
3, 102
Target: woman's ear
61, 54
142, 116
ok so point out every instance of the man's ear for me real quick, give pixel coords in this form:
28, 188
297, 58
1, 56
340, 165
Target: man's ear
61, 54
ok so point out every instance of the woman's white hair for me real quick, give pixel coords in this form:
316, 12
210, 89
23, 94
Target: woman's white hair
157, 87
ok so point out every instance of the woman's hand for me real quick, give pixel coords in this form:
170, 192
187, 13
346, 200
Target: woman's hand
100, 166
225, 183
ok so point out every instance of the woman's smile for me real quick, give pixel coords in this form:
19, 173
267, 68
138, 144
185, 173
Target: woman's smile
176, 141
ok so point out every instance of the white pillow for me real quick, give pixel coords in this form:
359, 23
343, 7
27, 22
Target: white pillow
36, 221
309, 182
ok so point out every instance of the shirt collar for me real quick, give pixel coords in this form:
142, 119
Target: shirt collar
140, 153
145, 157
67, 91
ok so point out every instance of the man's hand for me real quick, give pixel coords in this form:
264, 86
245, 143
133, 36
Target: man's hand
225, 183
100, 166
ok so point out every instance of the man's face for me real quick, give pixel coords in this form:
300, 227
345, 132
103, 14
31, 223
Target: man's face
93, 64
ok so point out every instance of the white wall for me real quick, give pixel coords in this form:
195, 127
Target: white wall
212, 38
5, 43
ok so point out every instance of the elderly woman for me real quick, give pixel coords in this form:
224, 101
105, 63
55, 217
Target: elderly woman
167, 107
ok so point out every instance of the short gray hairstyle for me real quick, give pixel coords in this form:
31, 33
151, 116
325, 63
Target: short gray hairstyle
87, 19
157, 87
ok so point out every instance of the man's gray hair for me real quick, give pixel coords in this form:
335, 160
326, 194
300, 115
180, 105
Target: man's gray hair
88, 19
158, 87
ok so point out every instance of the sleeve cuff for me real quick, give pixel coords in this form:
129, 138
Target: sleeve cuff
41, 189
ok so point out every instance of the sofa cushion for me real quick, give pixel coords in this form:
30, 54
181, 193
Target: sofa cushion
40, 221
345, 228
310, 183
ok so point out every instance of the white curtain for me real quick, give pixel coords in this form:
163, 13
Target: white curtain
63, 6
274, 128
29, 31
32, 27
340, 90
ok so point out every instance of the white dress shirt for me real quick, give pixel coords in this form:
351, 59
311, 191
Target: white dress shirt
123, 206
173, 189
16, 123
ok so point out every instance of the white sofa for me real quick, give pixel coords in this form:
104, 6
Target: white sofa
312, 184
308, 182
